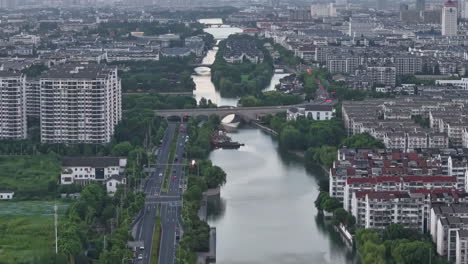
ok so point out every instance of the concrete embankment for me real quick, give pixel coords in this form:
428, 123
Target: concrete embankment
268, 130
208, 195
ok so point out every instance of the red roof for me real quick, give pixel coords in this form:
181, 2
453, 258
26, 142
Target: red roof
450, 4
380, 179
429, 179
251, 30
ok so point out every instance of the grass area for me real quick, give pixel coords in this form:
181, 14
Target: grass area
31, 208
244, 77
167, 176
31, 177
154, 258
27, 230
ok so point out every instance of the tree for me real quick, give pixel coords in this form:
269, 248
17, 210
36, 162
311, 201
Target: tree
291, 138
330, 204
214, 177
412, 252
363, 140
69, 242
122, 149
340, 216
193, 193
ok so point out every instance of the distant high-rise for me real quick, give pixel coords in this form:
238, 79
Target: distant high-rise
80, 104
449, 19
8, 4
12, 105
322, 10
420, 5
463, 8
381, 4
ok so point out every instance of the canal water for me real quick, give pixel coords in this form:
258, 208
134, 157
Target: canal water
267, 213
202, 75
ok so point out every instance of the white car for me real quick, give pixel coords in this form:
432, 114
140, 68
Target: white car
160, 174
140, 256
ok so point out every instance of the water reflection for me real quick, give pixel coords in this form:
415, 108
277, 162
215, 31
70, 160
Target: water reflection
267, 212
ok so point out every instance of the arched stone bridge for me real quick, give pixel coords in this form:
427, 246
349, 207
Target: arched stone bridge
247, 113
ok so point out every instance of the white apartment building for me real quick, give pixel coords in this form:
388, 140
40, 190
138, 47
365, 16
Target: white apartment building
383, 75
322, 10
12, 105
360, 27
80, 104
461, 247
457, 167
416, 140
449, 19
463, 83
25, 39
83, 171
33, 97
395, 140
392, 184
465, 138
437, 140
455, 130
380, 209
446, 222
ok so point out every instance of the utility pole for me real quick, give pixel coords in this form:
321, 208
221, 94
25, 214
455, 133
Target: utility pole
56, 229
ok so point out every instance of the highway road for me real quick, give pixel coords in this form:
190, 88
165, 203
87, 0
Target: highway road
171, 214
167, 204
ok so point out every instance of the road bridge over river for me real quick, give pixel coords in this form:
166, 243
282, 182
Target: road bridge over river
247, 113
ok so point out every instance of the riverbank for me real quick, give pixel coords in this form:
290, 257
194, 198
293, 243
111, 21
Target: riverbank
267, 198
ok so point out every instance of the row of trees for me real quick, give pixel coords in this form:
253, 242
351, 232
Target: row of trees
158, 101
93, 216
123, 29
395, 245
332, 205
197, 232
318, 139
200, 134
165, 75
269, 99
240, 79
320, 77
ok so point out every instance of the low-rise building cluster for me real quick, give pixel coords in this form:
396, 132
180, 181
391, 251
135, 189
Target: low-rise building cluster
408, 123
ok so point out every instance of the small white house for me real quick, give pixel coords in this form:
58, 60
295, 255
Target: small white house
85, 170
6, 195
315, 112
114, 181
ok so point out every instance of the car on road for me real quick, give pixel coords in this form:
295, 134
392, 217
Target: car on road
142, 247
140, 256
160, 174
174, 177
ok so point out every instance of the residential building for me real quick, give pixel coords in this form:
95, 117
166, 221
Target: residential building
313, 112
80, 104
113, 182
33, 97
445, 222
85, 170
322, 10
420, 5
12, 105
449, 19
6, 195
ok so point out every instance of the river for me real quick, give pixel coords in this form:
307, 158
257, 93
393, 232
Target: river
202, 76
267, 213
